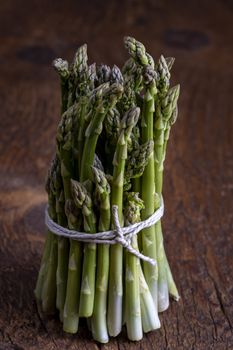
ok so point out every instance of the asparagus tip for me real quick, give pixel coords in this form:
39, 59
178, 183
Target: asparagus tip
62, 67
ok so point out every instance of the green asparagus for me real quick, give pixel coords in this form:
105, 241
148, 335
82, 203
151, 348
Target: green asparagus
116, 252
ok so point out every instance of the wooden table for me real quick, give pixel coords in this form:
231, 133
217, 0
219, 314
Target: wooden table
198, 179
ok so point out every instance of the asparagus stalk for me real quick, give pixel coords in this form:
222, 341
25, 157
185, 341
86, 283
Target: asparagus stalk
144, 60
47, 248
83, 201
61, 242
48, 291
112, 127
64, 150
43, 266
116, 76
62, 179
103, 74
136, 163
81, 86
105, 99
132, 208
165, 115
165, 105
77, 75
60, 200
148, 191
82, 73
98, 320
62, 67
148, 234
48, 294
171, 284
163, 75
80, 69
71, 308
114, 317
135, 167
163, 295
149, 318
132, 84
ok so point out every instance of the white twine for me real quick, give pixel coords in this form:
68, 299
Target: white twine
121, 235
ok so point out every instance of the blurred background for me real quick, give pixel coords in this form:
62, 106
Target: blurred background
197, 33
198, 169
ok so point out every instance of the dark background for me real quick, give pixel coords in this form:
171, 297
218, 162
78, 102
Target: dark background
198, 169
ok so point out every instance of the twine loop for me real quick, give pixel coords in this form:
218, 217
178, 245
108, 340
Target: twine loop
120, 235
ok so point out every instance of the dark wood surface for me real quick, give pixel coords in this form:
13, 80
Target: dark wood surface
198, 180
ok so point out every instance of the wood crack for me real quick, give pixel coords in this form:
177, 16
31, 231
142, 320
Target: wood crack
165, 335
15, 346
219, 298
44, 326
215, 332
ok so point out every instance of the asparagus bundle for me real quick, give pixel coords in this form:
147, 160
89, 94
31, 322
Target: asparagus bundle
111, 145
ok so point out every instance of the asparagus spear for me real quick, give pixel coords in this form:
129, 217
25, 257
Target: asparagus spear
114, 317
62, 67
116, 76
164, 111
80, 69
136, 162
165, 116
163, 75
112, 122
103, 73
98, 320
77, 77
83, 103
105, 99
132, 208
112, 127
60, 200
159, 125
71, 308
83, 201
149, 319
82, 79
148, 185
61, 242
47, 248
43, 266
132, 84
64, 150
138, 53
171, 284
48, 291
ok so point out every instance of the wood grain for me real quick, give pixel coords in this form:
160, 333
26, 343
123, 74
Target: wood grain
198, 181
